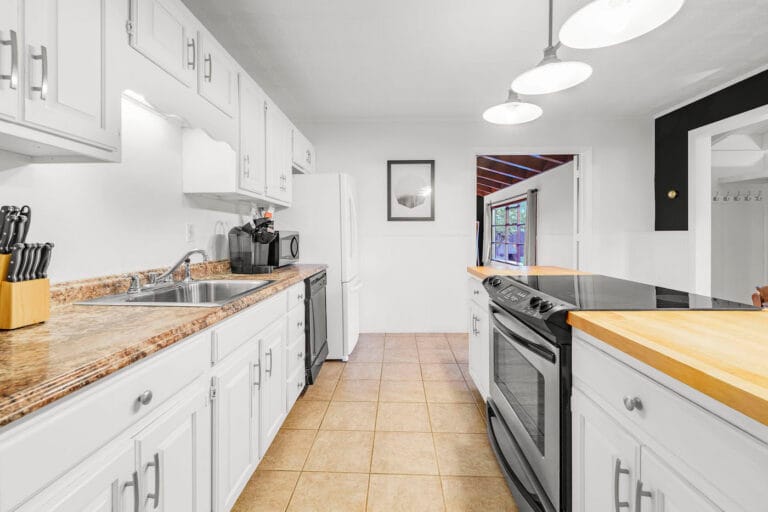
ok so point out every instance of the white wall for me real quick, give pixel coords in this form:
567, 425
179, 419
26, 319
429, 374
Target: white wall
414, 272
555, 223
115, 217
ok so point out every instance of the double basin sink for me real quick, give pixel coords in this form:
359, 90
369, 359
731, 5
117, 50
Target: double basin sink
205, 293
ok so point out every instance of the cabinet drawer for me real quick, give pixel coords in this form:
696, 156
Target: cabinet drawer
296, 294
712, 452
296, 355
296, 324
232, 333
296, 383
477, 292
40, 450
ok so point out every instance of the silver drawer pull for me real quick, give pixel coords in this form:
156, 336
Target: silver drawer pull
145, 397
300, 297
639, 495
269, 370
257, 372
135, 484
617, 472
155, 496
632, 403
299, 324
300, 355
299, 385
13, 42
191, 45
43, 58
475, 292
208, 75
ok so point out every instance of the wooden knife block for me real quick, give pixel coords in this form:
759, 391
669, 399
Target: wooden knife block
22, 303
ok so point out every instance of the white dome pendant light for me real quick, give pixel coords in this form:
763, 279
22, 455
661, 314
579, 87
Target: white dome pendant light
604, 23
512, 111
551, 74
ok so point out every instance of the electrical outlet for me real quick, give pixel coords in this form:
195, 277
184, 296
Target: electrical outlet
189, 232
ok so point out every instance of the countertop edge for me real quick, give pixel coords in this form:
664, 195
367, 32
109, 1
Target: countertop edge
41, 395
725, 392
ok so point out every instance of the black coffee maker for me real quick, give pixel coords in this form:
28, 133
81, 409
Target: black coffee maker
249, 247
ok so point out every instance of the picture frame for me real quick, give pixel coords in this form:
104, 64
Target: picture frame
410, 190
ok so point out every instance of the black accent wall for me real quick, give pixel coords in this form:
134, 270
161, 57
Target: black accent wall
671, 139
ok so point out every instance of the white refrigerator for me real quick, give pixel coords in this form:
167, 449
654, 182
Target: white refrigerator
324, 212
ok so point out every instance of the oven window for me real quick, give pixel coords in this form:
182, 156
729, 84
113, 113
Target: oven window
522, 385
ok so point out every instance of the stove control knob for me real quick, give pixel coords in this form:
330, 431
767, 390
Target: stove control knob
496, 281
535, 301
545, 306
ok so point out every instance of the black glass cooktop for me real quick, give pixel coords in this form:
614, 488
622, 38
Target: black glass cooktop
596, 292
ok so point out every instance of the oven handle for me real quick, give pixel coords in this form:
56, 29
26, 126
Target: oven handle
531, 346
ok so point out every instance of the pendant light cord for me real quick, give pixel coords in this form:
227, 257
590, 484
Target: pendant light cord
550, 22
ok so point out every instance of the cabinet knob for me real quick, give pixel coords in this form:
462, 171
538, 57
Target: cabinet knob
633, 402
145, 397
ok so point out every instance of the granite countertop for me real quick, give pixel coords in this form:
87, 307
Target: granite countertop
722, 354
82, 344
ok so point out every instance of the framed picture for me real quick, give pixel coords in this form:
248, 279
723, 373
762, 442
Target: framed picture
410, 190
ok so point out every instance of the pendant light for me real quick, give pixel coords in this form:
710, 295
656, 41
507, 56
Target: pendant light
551, 74
607, 22
512, 111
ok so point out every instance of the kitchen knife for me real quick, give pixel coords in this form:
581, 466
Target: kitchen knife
13, 266
23, 262
7, 235
21, 235
19, 230
4, 211
28, 262
45, 259
31, 271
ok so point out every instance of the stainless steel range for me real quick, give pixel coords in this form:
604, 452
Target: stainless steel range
529, 412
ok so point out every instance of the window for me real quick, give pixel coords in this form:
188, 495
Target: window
508, 232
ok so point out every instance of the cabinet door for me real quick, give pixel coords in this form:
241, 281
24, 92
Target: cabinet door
10, 59
164, 33
174, 454
664, 490
279, 178
605, 459
303, 152
65, 62
273, 396
218, 75
479, 348
235, 426
252, 136
108, 484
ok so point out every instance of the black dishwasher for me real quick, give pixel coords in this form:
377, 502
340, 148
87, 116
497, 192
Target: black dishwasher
316, 325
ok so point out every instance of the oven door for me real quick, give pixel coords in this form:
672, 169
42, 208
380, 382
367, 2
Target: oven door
525, 388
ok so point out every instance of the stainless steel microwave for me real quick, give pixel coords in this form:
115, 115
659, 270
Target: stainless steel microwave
284, 250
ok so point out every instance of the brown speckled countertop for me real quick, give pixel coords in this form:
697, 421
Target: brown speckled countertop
82, 344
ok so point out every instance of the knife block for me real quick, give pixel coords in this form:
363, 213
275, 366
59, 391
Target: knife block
22, 303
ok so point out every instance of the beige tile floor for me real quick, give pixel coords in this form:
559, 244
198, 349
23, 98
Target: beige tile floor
398, 428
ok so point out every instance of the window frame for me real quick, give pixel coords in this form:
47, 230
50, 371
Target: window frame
505, 205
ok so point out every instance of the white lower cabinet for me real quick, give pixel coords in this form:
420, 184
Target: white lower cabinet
235, 423
479, 337
273, 381
639, 446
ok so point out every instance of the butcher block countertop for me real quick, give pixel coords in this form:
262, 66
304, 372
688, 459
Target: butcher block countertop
82, 344
723, 354
483, 272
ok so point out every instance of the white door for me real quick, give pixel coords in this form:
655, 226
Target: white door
349, 234
10, 59
279, 177
218, 75
252, 136
605, 459
65, 63
108, 484
479, 348
236, 412
166, 34
174, 454
273, 377
661, 489
350, 296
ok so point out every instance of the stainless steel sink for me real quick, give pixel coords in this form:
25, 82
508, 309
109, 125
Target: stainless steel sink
193, 293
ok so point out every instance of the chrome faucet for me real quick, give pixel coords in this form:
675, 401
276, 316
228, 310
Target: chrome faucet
185, 260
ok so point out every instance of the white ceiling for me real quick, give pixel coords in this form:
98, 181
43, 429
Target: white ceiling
344, 59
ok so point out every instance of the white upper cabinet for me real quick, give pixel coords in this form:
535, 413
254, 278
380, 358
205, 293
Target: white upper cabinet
66, 89
10, 53
279, 158
252, 160
303, 152
217, 75
167, 35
